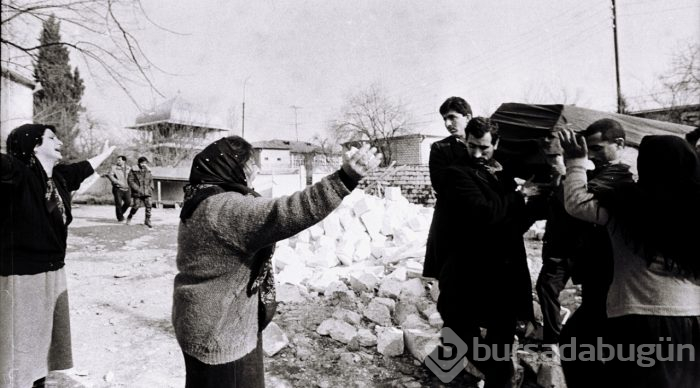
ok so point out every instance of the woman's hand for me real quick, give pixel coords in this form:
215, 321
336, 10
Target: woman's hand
574, 145
102, 156
358, 163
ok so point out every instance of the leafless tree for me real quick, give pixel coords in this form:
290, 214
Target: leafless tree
681, 85
100, 31
370, 115
545, 94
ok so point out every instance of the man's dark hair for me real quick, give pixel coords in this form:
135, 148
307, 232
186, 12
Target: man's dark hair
693, 136
609, 129
479, 126
122, 157
457, 104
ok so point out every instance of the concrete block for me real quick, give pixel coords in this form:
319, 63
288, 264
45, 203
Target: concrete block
274, 339
366, 338
377, 313
393, 193
389, 341
420, 343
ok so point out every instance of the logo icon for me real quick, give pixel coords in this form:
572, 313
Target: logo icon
445, 361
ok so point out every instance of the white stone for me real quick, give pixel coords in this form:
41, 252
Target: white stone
362, 206
393, 193
372, 221
324, 257
342, 332
414, 269
388, 302
412, 288
321, 280
420, 343
284, 255
294, 274
316, 231
413, 321
348, 316
303, 236
389, 341
390, 288
291, 293
363, 248
398, 274
435, 320
303, 250
331, 226
363, 282
377, 313
434, 291
274, 339
345, 250
366, 337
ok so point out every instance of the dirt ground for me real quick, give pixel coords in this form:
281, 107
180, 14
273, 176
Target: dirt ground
120, 281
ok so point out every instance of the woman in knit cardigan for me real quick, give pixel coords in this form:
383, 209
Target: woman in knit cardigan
653, 303
224, 290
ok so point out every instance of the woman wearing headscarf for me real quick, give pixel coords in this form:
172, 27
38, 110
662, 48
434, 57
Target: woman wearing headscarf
653, 303
224, 290
35, 211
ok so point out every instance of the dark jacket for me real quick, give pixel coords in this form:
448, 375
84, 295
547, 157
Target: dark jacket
140, 182
485, 276
32, 239
443, 153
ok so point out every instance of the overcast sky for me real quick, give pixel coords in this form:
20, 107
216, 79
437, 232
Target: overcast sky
312, 54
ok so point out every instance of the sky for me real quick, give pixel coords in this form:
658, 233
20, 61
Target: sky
314, 54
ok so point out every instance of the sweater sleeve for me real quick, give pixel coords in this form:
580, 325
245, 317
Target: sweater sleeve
577, 200
251, 223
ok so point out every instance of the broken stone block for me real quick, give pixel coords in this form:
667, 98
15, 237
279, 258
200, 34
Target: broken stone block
366, 338
363, 282
362, 206
435, 320
372, 221
420, 343
316, 231
377, 247
388, 302
413, 321
389, 341
274, 339
363, 248
324, 257
414, 269
418, 223
342, 332
434, 291
320, 281
412, 288
294, 274
377, 313
404, 308
398, 274
390, 288
348, 316
331, 226
393, 193
303, 250
345, 251
291, 293
303, 236
349, 358
285, 255
428, 310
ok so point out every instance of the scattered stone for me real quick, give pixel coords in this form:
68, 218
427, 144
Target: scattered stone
398, 274
435, 320
291, 293
389, 341
377, 313
366, 338
434, 291
413, 321
390, 303
412, 288
403, 309
338, 330
274, 339
363, 282
390, 288
349, 358
421, 343
348, 316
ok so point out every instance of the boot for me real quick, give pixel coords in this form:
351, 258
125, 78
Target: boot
128, 219
148, 223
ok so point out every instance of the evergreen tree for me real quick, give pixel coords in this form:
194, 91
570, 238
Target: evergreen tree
58, 102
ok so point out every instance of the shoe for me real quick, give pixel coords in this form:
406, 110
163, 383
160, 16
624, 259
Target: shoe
128, 220
148, 223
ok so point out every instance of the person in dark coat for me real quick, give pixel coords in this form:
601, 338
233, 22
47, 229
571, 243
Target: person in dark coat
485, 281
456, 113
141, 184
35, 211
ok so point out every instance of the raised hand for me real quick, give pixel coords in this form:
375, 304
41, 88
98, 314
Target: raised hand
357, 163
574, 145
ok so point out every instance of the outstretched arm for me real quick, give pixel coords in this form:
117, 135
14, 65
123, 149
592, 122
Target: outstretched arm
102, 156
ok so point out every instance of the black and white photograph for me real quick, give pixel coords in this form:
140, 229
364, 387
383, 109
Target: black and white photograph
308, 193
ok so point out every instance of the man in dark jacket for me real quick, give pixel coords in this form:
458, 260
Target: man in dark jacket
485, 282
141, 184
118, 175
456, 113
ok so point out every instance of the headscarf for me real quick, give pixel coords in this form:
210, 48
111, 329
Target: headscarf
217, 169
659, 214
20, 144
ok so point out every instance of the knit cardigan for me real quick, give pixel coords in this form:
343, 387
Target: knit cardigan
215, 319
636, 288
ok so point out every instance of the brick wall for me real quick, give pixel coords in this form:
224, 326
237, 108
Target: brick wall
414, 181
406, 150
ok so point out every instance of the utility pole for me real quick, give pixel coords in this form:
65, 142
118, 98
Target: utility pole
243, 113
617, 59
296, 123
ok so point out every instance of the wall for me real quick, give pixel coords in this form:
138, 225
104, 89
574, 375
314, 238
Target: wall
268, 159
414, 181
405, 150
16, 107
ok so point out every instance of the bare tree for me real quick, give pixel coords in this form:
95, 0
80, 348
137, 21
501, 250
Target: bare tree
681, 85
101, 36
170, 144
370, 115
329, 154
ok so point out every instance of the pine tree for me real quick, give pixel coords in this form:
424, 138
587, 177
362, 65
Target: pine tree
58, 101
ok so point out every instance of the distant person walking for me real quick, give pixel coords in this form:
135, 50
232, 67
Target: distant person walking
141, 184
119, 176
35, 211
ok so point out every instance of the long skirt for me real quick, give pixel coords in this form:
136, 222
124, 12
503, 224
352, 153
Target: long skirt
34, 327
